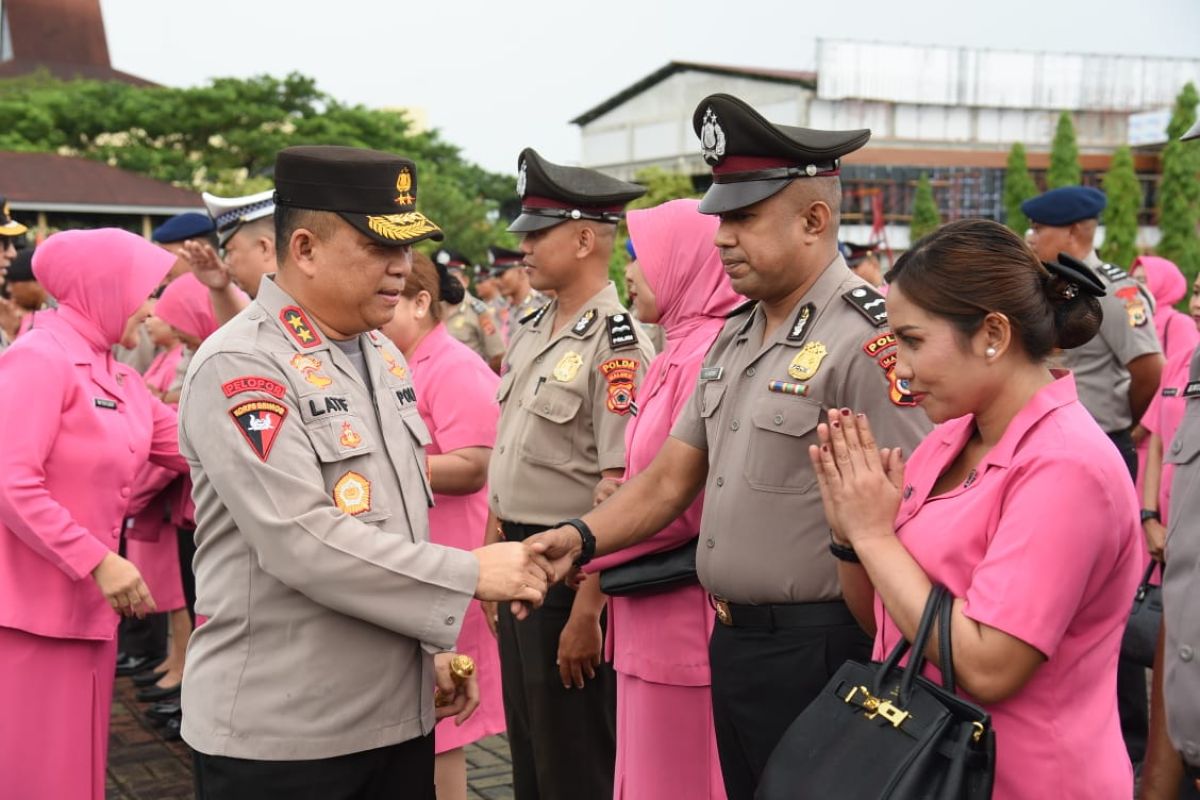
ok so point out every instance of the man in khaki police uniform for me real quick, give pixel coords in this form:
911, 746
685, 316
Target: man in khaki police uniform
471, 321
1117, 372
1181, 582
329, 611
813, 337
568, 388
512, 280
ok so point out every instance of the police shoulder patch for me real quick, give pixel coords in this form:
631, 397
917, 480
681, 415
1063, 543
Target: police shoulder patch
869, 303
621, 331
620, 374
259, 421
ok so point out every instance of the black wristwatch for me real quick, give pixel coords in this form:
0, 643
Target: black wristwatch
1150, 513
589, 540
843, 552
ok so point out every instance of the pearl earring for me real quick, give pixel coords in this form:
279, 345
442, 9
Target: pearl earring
990, 352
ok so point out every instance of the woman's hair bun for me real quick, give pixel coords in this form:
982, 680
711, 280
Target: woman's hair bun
449, 288
1072, 289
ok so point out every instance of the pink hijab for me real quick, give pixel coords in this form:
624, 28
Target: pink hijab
186, 305
674, 245
99, 278
1167, 283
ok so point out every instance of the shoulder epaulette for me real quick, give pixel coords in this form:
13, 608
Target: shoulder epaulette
869, 303
534, 316
621, 331
477, 305
585, 322
1114, 273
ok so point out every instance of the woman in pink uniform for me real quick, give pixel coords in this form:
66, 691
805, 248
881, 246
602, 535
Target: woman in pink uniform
666, 745
456, 397
150, 540
79, 425
1017, 503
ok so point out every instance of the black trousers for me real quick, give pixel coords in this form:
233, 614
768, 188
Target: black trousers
399, 772
762, 678
186, 542
145, 638
1133, 705
563, 741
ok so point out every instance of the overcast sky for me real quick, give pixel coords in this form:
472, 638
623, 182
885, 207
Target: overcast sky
497, 76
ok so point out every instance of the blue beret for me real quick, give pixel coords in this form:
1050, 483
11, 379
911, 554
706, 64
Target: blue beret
1064, 206
183, 226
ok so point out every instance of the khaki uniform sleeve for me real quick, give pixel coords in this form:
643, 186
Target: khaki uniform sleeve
1127, 340
870, 390
273, 489
493, 340
620, 372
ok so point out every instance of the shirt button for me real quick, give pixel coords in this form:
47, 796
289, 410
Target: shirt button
495, 498
116, 533
537, 360
124, 491
1186, 652
501, 448
545, 409
710, 544
778, 419
449, 620
733, 426
750, 372
720, 481
1176, 446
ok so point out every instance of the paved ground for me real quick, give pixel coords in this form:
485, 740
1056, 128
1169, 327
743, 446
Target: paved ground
141, 766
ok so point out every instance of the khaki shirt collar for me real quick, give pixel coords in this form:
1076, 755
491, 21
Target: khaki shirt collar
290, 318
589, 319
818, 297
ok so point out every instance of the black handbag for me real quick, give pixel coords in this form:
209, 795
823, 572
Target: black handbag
653, 573
880, 731
1141, 631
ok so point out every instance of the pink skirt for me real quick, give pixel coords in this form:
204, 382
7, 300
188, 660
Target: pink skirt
476, 640
158, 561
666, 742
56, 696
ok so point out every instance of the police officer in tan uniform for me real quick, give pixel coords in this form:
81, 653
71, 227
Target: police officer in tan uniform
511, 279
329, 611
813, 337
567, 390
1117, 372
471, 321
1180, 656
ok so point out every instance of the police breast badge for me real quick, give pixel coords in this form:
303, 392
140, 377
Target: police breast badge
568, 367
806, 363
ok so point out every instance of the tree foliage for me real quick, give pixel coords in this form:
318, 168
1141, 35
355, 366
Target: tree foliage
1018, 187
222, 137
1064, 156
1179, 192
925, 216
1121, 215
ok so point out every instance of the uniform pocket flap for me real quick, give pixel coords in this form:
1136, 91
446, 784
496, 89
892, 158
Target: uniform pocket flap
710, 399
794, 418
555, 404
416, 426
1185, 446
506, 384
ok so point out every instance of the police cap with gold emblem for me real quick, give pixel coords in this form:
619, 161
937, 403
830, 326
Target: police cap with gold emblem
8, 225
231, 213
375, 192
551, 194
502, 259
752, 158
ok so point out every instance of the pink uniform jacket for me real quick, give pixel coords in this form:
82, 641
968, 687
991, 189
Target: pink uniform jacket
78, 428
1042, 541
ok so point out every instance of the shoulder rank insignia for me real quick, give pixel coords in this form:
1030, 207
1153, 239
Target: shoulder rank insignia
584, 323
1113, 272
259, 421
296, 323
800, 325
869, 303
742, 309
477, 305
535, 316
621, 333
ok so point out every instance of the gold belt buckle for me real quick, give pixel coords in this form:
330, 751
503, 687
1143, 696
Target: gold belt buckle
722, 607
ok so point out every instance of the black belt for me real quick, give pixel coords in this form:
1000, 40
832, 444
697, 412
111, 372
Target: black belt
519, 532
789, 615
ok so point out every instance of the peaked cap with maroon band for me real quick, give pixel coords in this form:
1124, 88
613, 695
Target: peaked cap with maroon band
753, 159
551, 193
501, 259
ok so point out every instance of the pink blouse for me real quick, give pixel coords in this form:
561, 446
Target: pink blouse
1166, 413
1043, 542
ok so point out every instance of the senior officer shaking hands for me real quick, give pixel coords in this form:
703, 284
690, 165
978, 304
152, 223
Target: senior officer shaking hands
814, 337
566, 393
329, 611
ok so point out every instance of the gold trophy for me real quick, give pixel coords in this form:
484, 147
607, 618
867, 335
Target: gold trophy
461, 668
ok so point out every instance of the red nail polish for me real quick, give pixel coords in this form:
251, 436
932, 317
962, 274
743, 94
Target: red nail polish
824, 448
845, 412
837, 424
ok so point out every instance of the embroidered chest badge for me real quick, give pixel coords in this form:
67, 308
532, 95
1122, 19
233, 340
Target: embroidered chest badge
310, 368
568, 367
352, 494
350, 438
394, 366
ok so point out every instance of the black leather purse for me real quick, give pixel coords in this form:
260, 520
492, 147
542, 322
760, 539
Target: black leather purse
1141, 632
880, 731
653, 573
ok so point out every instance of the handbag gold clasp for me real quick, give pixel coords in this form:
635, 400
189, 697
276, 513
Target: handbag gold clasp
878, 707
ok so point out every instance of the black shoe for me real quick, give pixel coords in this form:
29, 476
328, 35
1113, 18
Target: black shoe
152, 694
147, 678
160, 713
132, 665
171, 731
